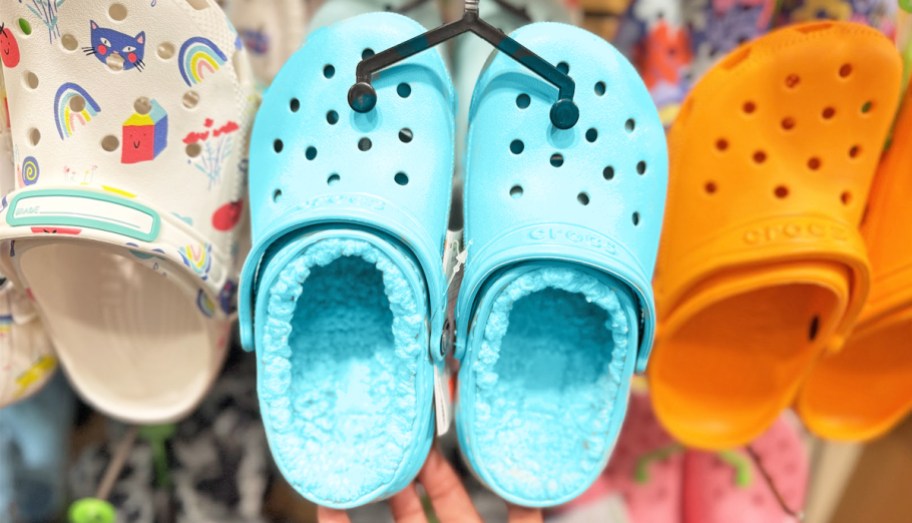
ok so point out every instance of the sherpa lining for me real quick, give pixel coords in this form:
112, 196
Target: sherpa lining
547, 376
339, 369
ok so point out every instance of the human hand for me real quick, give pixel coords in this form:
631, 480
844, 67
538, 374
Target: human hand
448, 496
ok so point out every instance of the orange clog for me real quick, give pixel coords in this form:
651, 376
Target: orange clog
761, 264
865, 389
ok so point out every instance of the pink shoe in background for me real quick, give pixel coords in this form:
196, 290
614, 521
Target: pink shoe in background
647, 467
722, 487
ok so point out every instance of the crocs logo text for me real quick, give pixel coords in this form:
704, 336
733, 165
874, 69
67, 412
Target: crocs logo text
794, 231
575, 236
361, 201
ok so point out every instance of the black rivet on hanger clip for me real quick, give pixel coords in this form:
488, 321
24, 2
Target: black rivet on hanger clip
363, 98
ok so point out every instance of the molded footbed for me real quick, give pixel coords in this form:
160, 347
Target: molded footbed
866, 388
133, 343
723, 376
545, 386
343, 373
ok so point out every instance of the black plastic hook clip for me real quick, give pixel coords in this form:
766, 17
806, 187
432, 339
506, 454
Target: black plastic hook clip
363, 98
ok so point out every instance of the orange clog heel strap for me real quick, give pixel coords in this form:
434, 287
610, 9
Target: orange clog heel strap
876, 358
761, 264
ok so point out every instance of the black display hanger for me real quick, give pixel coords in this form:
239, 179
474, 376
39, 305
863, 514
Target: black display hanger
363, 98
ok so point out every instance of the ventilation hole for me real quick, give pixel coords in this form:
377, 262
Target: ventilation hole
710, 187
788, 123
591, 135
25, 27
367, 53
516, 146
294, 104
328, 71
31, 80
516, 191
846, 197
333, 179
277, 145
405, 135
845, 70
814, 163
736, 58
34, 136
557, 159
115, 63
721, 144
310, 153
404, 90
332, 117
563, 67
110, 143
117, 12
190, 99
165, 50
759, 156
523, 101
749, 107
599, 88
636, 218
364, 144
781, 191
401, 178
277, 195
142, 105
866, 107
69, 42
792, 81
77, 103
608, 172
813, 328
641, 167
630, 125
854, 151
828, 113
193, 150
582, 198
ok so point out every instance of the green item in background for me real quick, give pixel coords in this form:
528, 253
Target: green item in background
92, 510
157, 435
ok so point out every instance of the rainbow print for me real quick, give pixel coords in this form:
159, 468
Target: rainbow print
198, 258
68, 96
199, 57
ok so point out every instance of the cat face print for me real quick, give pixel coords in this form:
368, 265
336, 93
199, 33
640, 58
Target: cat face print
114, 48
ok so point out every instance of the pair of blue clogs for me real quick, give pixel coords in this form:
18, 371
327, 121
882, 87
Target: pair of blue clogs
344, 294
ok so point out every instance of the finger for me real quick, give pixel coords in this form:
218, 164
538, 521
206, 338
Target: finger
517, 514
406, 506
450, 500
331, 515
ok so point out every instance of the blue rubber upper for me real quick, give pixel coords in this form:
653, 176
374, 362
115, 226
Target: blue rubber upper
367, 193
549, 221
